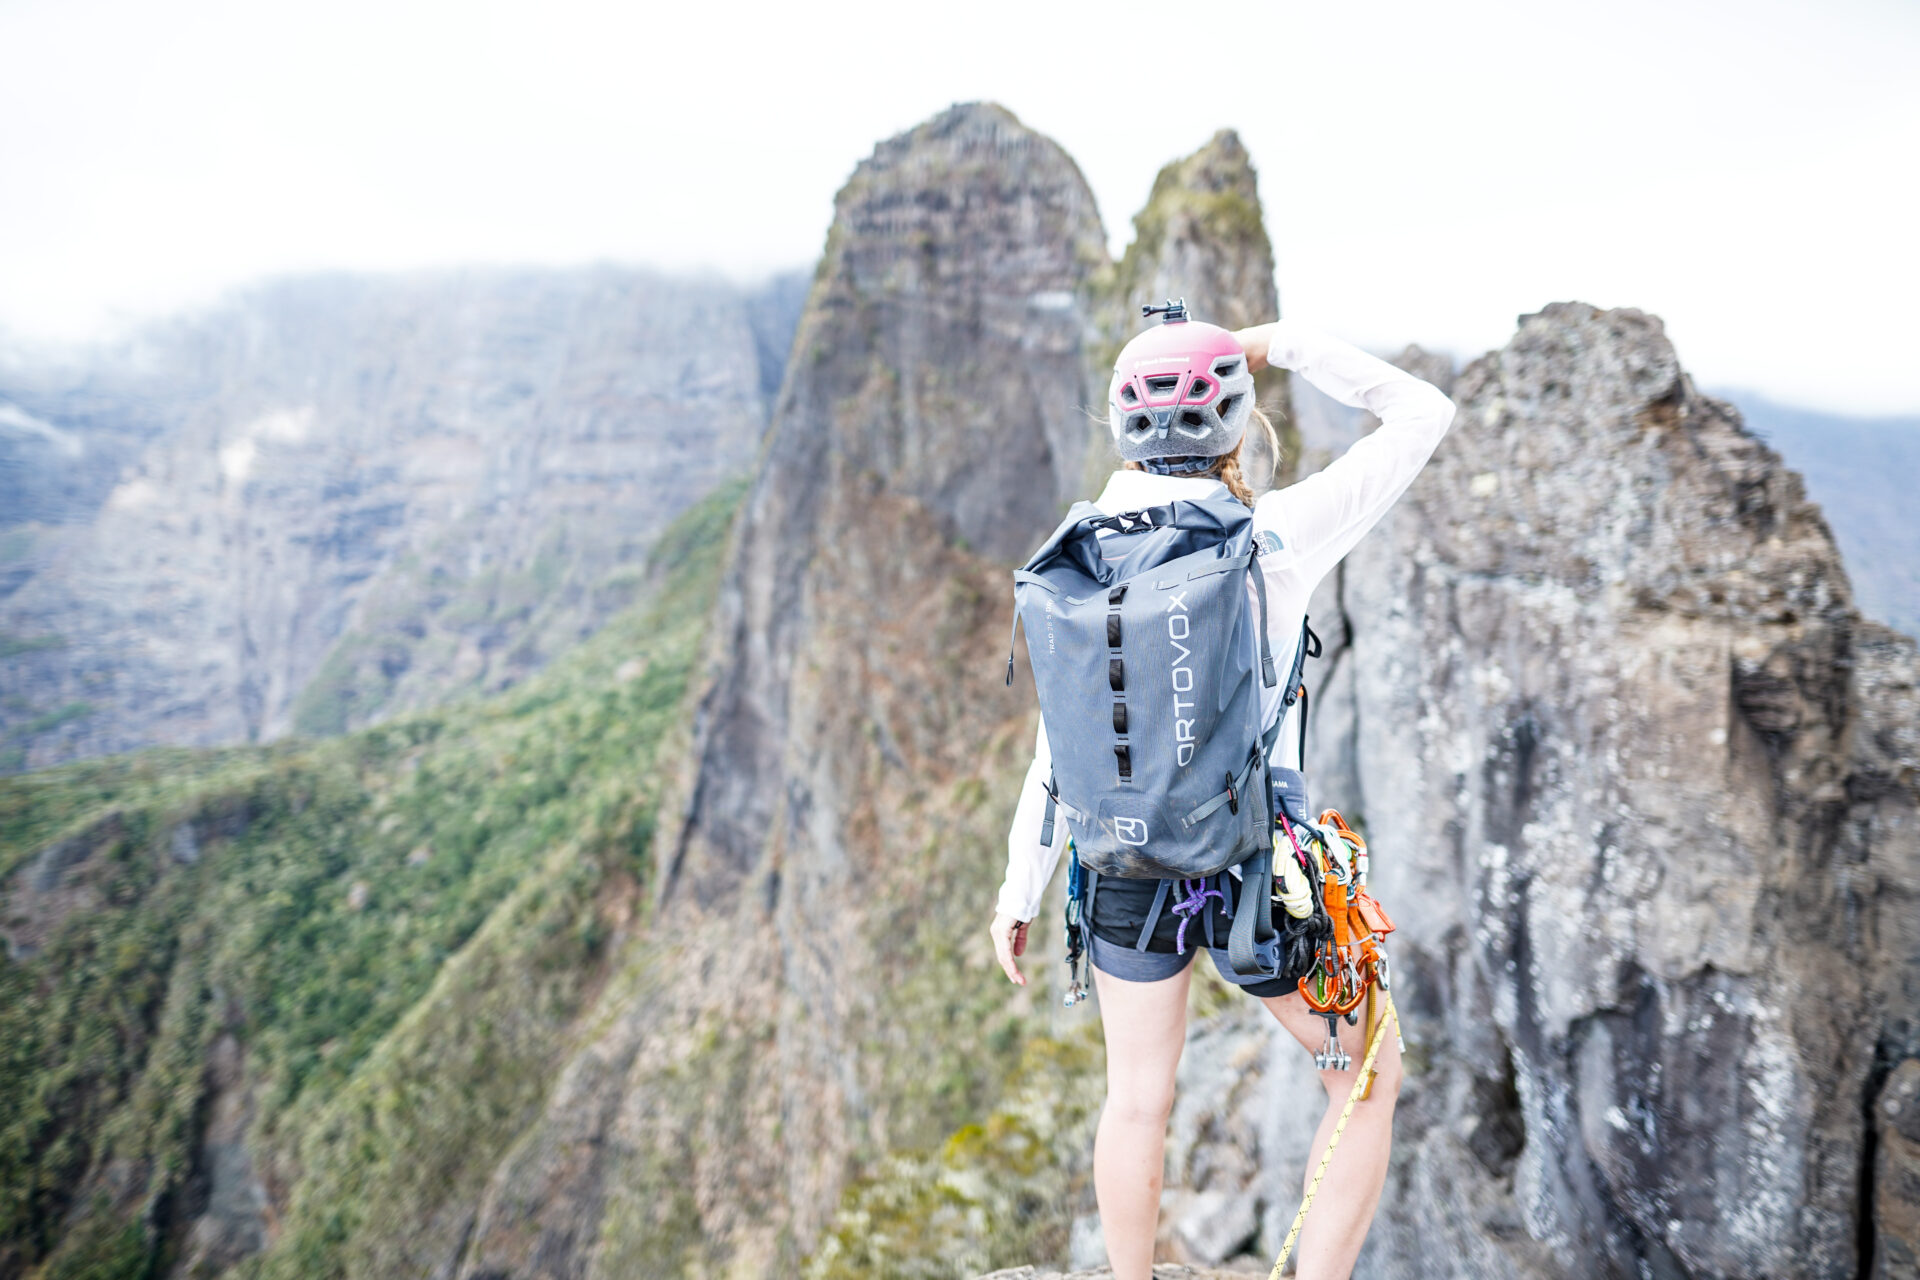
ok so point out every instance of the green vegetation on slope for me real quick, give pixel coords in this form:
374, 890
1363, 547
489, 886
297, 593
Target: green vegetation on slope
1002, 1190
997, 1193
396, 926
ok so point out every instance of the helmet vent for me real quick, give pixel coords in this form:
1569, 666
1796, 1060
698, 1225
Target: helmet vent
1200, 387
1128, 395
1164, 383
1193, 418
1139, 422
1227, 368
1225, 407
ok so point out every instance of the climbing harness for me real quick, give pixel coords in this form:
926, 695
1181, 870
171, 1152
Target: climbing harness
1362, 1085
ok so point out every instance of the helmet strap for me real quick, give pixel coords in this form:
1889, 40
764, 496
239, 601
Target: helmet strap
1177, 466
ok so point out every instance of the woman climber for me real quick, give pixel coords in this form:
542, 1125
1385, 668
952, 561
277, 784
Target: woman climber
1140, 946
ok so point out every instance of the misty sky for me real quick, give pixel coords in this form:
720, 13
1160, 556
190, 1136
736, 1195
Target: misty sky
1745, 170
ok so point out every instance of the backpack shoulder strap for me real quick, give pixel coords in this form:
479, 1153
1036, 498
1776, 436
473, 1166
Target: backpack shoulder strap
1260, 590
1153, 915
1054, 803
1253, 946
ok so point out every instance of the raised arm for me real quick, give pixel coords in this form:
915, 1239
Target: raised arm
1322, 516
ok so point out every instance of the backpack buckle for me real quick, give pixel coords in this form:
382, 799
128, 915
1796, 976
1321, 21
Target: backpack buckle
1233, 797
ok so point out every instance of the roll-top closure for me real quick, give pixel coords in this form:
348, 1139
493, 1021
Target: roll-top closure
1187, 568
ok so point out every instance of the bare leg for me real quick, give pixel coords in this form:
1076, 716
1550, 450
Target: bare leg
1343, 1207
1146, 1027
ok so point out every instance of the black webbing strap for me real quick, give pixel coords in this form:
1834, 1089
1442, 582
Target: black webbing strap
1235, 788
1253, 945
1012, 631
1117, 682
1046, 822
1153, 915
1218, 880
1091, 885
1302, 758
1308, 646
1116, 678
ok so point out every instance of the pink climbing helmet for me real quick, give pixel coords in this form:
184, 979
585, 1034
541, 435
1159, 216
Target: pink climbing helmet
1179, 389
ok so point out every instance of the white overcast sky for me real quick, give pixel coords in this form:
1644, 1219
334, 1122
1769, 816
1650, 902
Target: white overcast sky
1746, 170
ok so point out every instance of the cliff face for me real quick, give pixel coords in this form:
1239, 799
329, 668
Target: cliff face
1607, 692
339, 498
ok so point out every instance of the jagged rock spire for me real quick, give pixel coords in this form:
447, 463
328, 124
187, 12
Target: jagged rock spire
1201, 235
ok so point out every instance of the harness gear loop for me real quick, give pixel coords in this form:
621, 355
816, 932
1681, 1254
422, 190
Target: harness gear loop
1362, 1085
1350, 961
1076, 937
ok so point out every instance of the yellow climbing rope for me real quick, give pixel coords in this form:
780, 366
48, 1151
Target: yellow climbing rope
1362, 1083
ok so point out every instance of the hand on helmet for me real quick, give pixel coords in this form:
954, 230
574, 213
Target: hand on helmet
1254, 340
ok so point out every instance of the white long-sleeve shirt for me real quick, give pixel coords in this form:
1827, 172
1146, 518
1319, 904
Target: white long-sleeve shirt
1317, 521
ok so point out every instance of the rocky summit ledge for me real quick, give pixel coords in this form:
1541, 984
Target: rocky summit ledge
1165, 1271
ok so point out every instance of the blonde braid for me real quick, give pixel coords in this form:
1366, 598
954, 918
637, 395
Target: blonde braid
1228, 473
1226, 468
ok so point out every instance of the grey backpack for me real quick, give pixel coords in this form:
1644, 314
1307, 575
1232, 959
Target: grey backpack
1142, 645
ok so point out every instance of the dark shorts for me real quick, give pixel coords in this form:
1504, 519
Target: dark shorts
1120, 909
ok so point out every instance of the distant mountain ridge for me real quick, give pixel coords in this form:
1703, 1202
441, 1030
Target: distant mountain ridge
335, 497
1863, 473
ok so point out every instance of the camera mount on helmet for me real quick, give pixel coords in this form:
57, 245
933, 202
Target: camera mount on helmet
1174, 312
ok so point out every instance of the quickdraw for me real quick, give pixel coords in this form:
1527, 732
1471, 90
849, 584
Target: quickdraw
1351, 958
1076, 992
